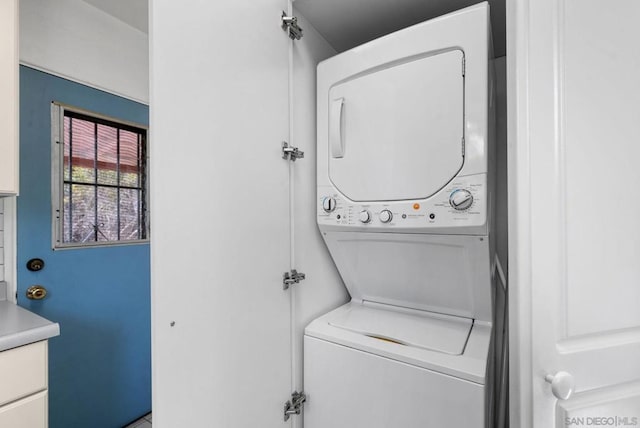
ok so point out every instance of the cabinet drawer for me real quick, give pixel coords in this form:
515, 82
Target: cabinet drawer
23, 372
30, 412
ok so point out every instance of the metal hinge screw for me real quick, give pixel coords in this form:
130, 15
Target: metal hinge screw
291, 278
290, 25
294, 406
291, 153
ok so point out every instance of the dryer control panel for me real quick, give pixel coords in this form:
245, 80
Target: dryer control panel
461, 204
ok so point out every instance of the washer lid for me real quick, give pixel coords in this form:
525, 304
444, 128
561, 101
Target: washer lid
396, 132
426, 331
446, 274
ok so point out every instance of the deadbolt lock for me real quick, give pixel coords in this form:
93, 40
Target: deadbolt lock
34, 265
36, 292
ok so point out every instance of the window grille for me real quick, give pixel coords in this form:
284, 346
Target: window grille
99, 179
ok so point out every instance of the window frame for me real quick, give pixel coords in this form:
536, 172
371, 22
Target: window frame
57, 178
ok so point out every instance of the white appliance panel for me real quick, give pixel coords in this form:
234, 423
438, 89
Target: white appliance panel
403, 206
471, 365
379, 147
417, 329
431, 215
396, 132
436, 273
388, 394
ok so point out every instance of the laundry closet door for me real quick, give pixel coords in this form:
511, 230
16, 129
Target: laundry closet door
219, 213
575, 229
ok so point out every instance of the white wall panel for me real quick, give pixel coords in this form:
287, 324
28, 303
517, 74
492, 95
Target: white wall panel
2, 239
323, 289
8, 245
74, 40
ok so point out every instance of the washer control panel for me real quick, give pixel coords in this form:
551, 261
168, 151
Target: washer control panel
461, 199
462, 203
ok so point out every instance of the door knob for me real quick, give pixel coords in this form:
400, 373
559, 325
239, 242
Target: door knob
36, 292
562, 385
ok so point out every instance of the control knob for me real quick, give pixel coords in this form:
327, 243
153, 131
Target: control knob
461, 199
328, 204
365, 216
385, 216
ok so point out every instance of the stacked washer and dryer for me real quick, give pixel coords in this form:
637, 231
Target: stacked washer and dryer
404, 206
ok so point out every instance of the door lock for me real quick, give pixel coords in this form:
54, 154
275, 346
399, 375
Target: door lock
34, 265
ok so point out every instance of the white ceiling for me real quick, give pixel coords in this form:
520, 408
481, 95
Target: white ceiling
346, 24
132, 12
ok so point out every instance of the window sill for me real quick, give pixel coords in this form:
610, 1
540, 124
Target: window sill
102, 244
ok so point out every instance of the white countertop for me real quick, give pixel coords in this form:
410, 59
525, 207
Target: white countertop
20, 327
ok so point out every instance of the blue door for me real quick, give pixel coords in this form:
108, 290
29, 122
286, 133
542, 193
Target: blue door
100, 365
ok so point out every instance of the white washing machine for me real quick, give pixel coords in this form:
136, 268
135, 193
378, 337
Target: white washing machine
404, 197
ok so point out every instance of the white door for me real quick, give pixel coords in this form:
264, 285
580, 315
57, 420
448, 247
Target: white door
574, 106
220, 205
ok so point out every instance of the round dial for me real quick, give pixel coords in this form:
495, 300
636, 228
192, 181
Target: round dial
385, 216
461, 199
328, 204
365, 216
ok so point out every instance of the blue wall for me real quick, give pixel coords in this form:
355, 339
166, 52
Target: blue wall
100, 365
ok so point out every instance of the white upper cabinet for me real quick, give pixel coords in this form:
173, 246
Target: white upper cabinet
8, 97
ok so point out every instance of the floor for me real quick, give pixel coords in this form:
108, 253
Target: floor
143, 422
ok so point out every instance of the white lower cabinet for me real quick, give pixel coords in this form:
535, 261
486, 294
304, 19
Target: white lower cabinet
23, 386
30, 412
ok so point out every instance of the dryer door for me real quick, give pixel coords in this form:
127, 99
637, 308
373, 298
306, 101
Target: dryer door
396, 132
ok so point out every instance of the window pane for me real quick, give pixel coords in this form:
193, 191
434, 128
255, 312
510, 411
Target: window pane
66, 221
66, 147
83, 213
99, 158
129, 214
107, 214
82, 151
107, 155
129, 162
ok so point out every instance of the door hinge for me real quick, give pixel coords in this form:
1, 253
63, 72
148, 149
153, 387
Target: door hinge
291, 153
294, 406
290, 25
464, 66
463, 145
291, 278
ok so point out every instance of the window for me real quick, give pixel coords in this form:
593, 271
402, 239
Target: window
99, 179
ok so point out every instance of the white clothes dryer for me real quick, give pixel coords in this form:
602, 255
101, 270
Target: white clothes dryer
404, 197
